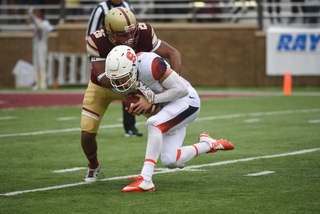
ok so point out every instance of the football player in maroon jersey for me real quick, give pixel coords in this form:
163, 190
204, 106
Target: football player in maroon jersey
121, 28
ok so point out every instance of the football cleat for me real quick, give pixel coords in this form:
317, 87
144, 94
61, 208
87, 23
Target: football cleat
214, 144
140, 185
132, 179
133, 132
92, 175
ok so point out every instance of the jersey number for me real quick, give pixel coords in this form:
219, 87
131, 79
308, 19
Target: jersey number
142, 26
99, 33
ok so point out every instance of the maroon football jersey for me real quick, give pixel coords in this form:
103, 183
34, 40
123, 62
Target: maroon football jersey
99, 45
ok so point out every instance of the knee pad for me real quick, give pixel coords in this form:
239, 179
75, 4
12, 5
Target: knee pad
89, 125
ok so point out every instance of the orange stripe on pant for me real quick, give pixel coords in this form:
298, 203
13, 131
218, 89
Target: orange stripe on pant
178, 154
166, 126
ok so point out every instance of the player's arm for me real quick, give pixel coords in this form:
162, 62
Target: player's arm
99, 70
175, 89
34, 18
97, 62
167, 51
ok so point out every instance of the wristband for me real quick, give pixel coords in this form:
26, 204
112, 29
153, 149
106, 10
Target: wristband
100, 76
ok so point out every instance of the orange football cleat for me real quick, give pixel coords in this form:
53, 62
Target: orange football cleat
214, 144
140, 185
132, 179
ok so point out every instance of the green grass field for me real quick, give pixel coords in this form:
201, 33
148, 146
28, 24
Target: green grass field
280, 134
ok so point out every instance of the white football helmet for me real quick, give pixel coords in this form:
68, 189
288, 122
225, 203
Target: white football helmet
121, 67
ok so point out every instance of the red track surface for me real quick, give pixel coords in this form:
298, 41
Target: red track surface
36, 99
13, 100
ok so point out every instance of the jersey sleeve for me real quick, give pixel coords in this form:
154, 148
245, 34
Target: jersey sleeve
155, 41
148, 40
98, 44
158, 68
92, 48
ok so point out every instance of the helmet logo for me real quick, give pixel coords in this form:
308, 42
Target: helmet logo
129, 28
131, 57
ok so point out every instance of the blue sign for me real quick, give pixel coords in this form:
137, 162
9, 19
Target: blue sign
299, 42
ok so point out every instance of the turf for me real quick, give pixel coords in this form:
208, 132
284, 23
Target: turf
34, 143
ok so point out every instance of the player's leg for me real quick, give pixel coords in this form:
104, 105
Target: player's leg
144, 181
92, 113
35, 61
172, 150
129, 124
95, 103
175, 155
173, 116
42, 70
172, 121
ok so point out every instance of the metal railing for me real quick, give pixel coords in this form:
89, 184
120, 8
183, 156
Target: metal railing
68, 68
15, 17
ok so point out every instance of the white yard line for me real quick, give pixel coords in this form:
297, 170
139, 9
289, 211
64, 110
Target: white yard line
188, 168
67, 118
69, 170
8, 118
314, 121
254, 120
198, 119
261, 173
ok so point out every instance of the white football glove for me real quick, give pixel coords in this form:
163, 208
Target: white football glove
146, 91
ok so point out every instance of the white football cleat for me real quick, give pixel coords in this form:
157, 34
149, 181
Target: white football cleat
140, 185
214, 144
92, 175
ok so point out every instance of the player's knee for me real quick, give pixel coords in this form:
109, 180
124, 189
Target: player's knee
151, 121
88, 124
170, 162
176, 165
166, 160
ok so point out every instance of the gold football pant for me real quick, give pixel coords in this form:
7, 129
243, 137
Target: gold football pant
95, 103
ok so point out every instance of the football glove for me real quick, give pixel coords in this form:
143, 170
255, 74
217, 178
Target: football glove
146, 91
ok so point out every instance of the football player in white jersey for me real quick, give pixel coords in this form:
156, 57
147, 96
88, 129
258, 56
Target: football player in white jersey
158, 83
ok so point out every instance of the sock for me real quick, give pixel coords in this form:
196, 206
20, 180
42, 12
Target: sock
93, 159
201, 148
154, 146
189, 152
148, 169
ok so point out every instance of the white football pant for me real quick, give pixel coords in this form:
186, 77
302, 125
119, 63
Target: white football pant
166, 133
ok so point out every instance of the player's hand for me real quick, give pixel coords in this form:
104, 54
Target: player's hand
140, 107
146, 91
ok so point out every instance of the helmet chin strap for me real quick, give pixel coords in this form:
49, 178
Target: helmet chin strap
129, 42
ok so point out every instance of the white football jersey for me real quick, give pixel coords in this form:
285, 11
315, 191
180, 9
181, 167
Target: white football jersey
151, 68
